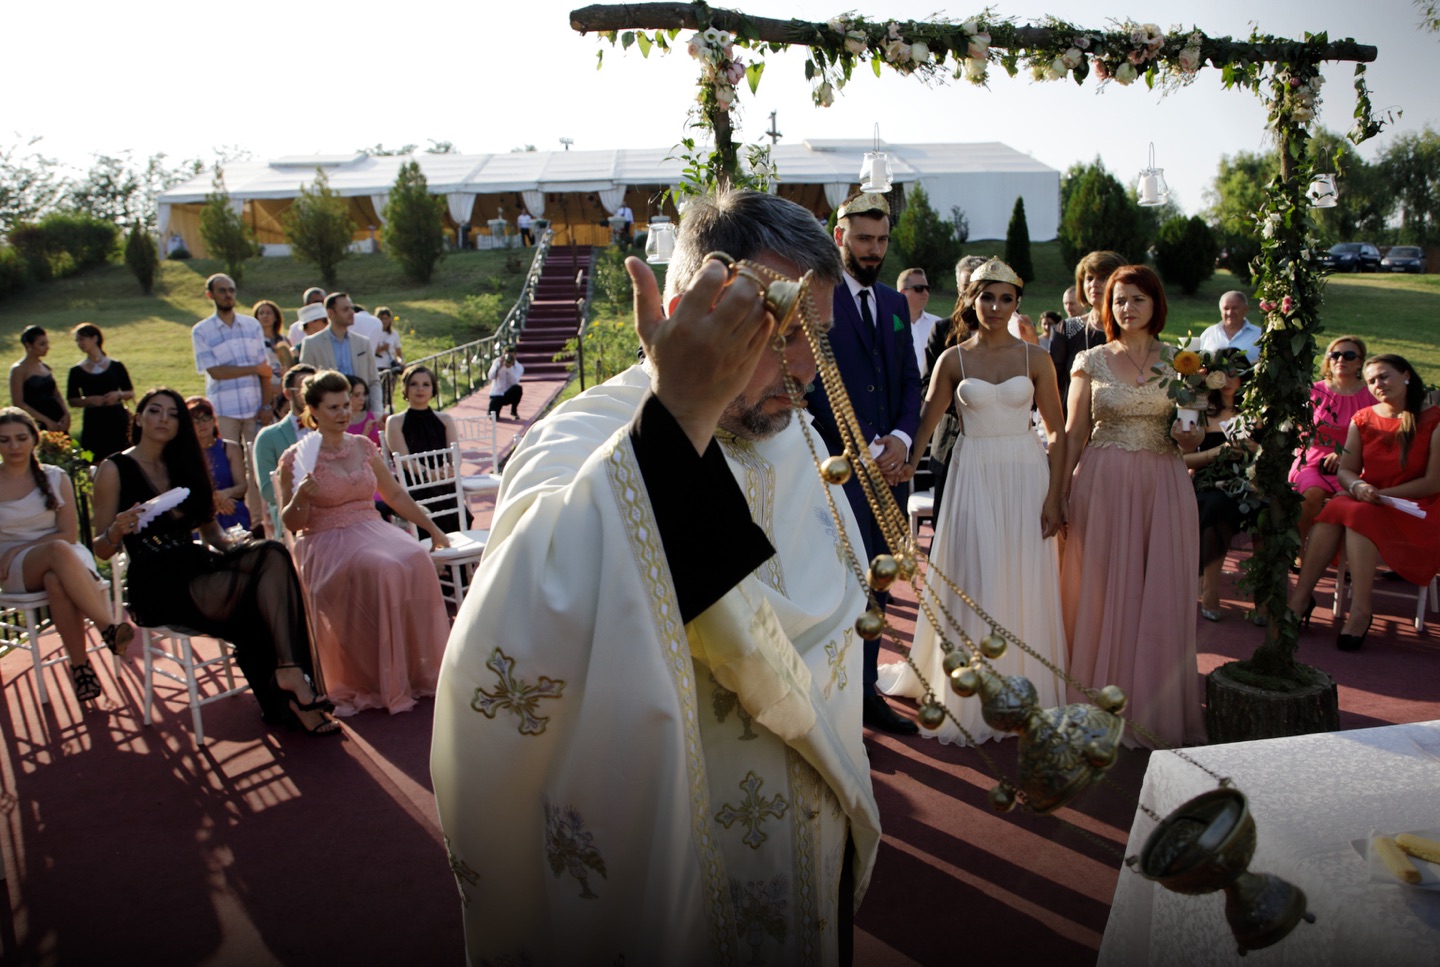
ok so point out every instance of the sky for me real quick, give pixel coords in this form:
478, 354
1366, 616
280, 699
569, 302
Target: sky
286, 77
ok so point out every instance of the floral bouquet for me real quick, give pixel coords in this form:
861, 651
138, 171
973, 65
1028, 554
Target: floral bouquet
1192, 375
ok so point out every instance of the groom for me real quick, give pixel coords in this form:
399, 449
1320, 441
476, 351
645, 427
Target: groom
875, 351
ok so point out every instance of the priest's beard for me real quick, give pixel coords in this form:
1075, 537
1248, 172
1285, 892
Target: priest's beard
749, 421
866, 275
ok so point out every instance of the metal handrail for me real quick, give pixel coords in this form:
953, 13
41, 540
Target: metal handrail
477, 355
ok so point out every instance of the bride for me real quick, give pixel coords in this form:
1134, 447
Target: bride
1002, 510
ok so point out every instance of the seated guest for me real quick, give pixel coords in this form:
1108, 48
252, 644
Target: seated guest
276, 438
362, 421
380, 624
1337, 397
246, 593
1392, 450
226, 461
1218, 469
39, 549
420, 429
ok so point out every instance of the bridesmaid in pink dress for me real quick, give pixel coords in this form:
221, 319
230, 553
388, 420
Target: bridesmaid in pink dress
1128, 579
380, 621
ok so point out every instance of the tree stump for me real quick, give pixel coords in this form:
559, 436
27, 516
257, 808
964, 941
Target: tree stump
1238, 712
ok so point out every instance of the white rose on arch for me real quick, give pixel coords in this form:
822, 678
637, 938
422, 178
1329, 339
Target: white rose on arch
919, 52
1071, 58
1190, 59
696, 45
897, 52
1056, 70
825, 94
979, 46
970, 27
1126, 73
976, 69
855, 42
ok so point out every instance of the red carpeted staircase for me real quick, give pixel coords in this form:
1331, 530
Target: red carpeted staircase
552, 318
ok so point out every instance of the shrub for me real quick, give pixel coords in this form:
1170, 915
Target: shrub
14, 275
925, 240
414, 233
319, 228
141, 257
610, 347
224, 231
485, 311
612, 287
1017, 243
1185, 252
63, 243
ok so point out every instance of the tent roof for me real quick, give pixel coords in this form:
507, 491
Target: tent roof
817, 161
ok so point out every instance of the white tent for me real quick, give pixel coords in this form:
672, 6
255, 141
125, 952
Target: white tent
578, 190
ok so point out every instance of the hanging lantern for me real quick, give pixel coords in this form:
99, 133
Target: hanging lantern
1151, 186
660, 241
875, 169
1322, 192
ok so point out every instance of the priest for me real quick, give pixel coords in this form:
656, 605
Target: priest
647, 738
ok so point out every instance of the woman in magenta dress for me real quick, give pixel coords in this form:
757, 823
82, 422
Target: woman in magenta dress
1128, 580
1337, 397
1392, 450
380, 621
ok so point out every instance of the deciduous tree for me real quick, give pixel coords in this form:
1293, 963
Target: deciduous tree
1099, 214
926, 240
224, 231
414, 232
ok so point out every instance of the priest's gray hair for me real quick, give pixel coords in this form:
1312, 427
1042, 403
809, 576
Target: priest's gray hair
746, 224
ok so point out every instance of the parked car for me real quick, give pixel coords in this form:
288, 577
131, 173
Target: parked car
1351, 257
1404, 258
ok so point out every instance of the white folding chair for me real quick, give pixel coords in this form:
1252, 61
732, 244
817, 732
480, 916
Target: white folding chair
920, 505
171, 644
24, 617
1427, 597
419, 474
480, 431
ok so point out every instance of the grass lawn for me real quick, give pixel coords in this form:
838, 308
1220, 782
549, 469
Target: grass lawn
151, 334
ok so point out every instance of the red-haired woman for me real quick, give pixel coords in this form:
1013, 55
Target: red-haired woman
1128, 581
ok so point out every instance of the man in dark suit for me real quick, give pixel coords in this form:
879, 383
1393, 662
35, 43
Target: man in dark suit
875, 353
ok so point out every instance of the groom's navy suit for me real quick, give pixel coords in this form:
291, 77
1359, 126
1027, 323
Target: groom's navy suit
882, 378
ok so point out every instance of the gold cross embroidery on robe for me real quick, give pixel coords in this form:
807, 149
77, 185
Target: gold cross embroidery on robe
752, 811
516, 695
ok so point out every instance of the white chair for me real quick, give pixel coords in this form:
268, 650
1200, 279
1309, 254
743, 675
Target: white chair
21, 625
1426, 596
172, 644
920, 505
480, 431
422, 473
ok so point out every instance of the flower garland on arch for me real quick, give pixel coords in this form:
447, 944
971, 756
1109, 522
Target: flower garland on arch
1284, 73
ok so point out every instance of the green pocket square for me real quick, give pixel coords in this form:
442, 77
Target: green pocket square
898, 324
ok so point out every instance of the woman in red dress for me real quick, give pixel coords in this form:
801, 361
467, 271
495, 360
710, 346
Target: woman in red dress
1393, 451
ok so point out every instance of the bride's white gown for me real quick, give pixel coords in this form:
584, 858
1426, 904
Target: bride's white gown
988, 541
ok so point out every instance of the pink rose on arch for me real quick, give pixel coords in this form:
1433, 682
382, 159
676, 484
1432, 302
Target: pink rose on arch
1287, 305
1101, 71
1266, 305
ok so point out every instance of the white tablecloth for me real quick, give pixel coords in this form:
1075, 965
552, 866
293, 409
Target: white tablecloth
1310, 796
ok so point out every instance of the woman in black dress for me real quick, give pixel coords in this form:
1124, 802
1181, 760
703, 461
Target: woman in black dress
32, 384
100, 386
246, 593
419, 430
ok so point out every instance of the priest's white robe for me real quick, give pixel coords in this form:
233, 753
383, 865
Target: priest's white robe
604, 797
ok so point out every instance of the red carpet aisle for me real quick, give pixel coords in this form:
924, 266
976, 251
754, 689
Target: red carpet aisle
123, 844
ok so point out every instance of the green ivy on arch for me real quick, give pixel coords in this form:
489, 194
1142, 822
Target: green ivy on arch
730, 47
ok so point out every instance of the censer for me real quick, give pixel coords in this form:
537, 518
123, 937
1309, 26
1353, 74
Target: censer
1203, 846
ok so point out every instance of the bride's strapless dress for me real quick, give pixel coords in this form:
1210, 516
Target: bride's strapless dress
988, 541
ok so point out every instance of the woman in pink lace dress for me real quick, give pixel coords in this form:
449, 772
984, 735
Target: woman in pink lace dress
380, 622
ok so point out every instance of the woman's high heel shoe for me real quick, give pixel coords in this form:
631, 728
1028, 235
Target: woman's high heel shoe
117, 637
320, 703
1309, 610
1353, 642
87, 683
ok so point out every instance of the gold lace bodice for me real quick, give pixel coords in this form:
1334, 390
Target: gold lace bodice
1124, 414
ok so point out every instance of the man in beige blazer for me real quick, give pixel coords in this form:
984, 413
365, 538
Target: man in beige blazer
336, 347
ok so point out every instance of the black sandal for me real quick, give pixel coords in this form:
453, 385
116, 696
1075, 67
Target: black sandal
87, 683
320, 703
117, 637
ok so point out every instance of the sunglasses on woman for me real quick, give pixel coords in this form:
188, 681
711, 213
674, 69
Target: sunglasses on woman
1349, 355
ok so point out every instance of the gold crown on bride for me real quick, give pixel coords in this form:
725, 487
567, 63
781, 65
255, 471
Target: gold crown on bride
997, 271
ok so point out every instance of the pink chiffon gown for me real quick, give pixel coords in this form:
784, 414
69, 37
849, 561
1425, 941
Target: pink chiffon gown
380, 622
1129, 579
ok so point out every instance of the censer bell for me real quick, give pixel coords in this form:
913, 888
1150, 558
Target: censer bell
1062, 750
1206, 845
